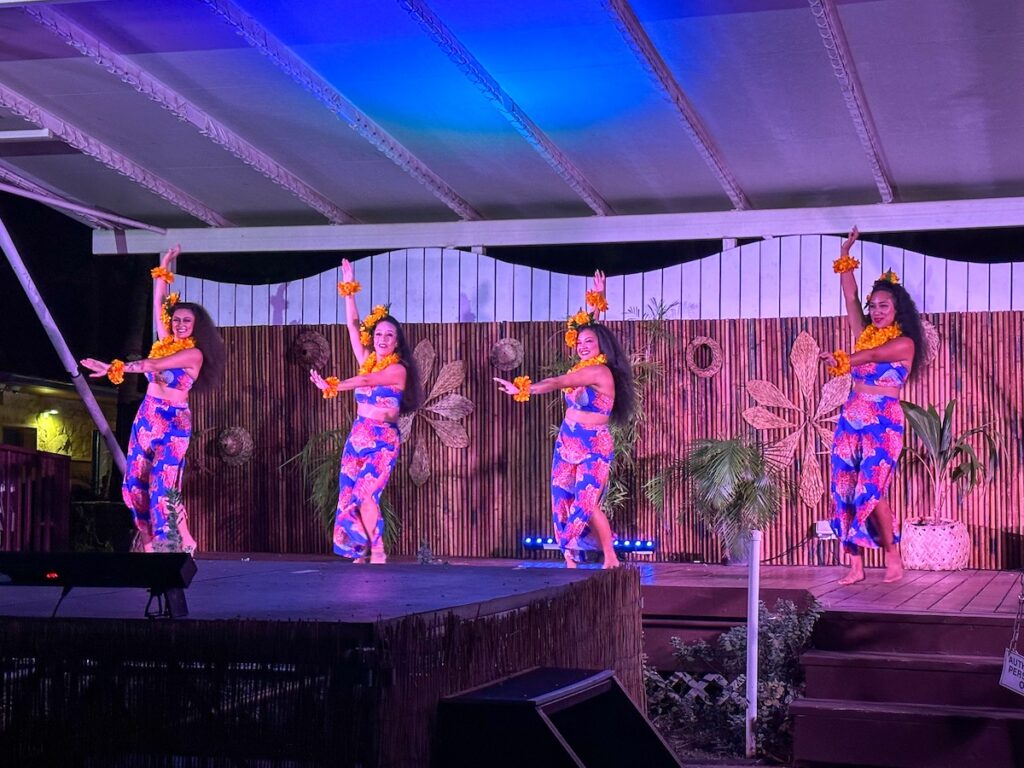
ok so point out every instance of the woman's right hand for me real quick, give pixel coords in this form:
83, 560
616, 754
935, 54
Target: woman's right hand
97, 367
317, 379
828, 357
347, 273
507, 386
167, 260
844, 249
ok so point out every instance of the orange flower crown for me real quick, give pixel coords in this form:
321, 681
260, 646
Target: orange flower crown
889, 277
370, 322
170, 300
596, 301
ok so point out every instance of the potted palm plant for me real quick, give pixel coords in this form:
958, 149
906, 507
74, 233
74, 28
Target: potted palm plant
735, 488
964, 461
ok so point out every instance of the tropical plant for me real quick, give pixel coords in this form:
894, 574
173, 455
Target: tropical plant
950, 459
735, 487
318, 461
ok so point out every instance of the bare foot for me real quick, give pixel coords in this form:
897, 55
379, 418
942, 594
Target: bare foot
570, 562
612, 562
851, 578
893, 573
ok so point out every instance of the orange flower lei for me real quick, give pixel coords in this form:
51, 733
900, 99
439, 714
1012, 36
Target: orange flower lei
349, 287
597, 300
845, 263
333, 383
842, 366
162, 273
372, 365
369, 323
601, 359
523, 383
872, 337
116, 371
169, 345
170, 300
573, 325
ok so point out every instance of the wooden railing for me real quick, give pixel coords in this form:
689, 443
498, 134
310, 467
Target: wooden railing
35, 490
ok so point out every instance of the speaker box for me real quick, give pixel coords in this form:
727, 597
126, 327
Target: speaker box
164, 574
549, 717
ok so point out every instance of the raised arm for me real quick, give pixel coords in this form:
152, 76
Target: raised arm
854, 311
161, 285
351, 311
595, 298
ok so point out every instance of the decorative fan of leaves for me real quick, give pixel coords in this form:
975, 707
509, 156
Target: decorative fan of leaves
814, 420
443, 410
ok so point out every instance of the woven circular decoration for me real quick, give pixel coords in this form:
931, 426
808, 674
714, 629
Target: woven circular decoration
711, 345
931, 335
309, 350
506, 354
234, 446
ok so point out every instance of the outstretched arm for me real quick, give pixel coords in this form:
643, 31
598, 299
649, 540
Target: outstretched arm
596, 376
392, 376
352, 313
161, 287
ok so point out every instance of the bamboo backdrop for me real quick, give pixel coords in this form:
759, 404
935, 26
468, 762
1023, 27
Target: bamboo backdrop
481, 500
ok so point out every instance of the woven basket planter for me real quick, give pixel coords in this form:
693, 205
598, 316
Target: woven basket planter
935, 545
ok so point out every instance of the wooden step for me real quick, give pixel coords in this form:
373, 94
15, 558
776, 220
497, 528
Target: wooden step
969, 681
954, 635
843, 732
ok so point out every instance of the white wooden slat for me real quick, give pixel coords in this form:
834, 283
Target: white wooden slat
912, 276
577, 298
633, 296
1017, 285
485, 292
469, 287
311, 300
771, 278
810, 276
450, 303
934, 285
654, 294
503, 299
710, 283
211, 300
832, 303
330, 301
978, 288
432, 258
870, 255
789, 277
690, 290
414, 286
956, 286
749, 280
293, 303
729, 285
559, 301
189, 289
671, 289
615, 291
540, 295
225, 304
522, 287
380, 270
397, 289
243, 305
894, 258
261, 305
999, 282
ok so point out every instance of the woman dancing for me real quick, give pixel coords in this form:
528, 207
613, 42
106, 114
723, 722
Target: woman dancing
188, 356
890, 349
386, 386
599, 390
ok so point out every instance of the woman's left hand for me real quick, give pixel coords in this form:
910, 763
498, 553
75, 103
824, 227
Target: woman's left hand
828, 357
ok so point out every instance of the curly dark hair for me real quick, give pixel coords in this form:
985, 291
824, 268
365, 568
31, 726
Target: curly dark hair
412, 396
622, 372
209, 342
908, 318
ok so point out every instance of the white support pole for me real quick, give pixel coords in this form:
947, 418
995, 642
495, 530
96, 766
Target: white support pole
66, 358
753, 625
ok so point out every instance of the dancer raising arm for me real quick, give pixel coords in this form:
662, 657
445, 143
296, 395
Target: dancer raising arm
386, 386
890, 349
599, 390
188, 356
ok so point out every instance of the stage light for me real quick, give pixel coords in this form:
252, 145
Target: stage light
636, 546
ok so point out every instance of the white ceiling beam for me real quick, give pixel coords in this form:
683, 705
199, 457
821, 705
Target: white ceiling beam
643, 47
8, 176
27, 109
895, 217
284, 59
92, 47
475, 71
31, 134
826, 15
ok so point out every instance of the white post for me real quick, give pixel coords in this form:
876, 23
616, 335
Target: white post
66, 358
753, 602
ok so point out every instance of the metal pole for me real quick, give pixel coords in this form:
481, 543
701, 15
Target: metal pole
66, 358
58, 202
753, 622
